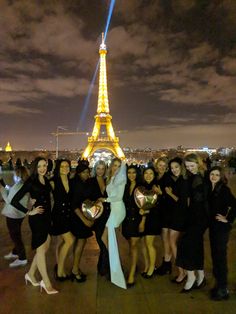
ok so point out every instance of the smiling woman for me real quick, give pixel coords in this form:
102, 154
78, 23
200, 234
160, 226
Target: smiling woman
39, 219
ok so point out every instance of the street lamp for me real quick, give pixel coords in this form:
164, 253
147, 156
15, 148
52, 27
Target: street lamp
59, 127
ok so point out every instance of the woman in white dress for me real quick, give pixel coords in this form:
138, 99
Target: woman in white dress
116, 182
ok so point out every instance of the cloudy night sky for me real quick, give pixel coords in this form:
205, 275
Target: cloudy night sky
171, 71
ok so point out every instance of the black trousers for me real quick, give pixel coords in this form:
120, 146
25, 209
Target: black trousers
103, 265
14, 227
219, 236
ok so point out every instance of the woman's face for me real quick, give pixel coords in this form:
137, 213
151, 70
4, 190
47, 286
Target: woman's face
42, 167
175, 169
214, 176
64, 168
132, 174
100, 170
191, 166
84, 175
161, 167
148, 175
115, 167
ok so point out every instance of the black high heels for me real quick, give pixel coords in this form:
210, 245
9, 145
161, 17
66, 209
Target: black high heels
202, 284
78, 277
60, 278
194, 285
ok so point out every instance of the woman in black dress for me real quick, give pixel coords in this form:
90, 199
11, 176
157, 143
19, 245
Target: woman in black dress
97, 187
190, 253
176, 202
150, 224
222, 209
161, 167
61, 215
39, 189
80, 225
130, 225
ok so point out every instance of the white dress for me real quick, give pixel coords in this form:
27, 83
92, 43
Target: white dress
115, 191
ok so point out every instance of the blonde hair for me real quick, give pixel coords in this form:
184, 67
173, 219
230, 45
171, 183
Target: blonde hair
192, 157
98, 163
109, 175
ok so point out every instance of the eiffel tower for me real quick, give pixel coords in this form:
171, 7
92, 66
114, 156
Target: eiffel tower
103, 117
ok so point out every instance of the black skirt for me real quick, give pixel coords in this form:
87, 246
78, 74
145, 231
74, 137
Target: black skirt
131, 223
40, 226
78, 228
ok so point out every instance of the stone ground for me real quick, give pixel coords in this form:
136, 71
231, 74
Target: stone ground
97, 295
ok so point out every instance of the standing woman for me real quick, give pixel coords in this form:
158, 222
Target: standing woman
222, 209
97, 186
116, 181
161, 167
14, 217
61, 215
190, 253
176, 202
80, 225
130, 225
39, 189
150, 224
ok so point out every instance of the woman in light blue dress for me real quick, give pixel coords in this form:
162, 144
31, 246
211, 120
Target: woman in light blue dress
116, 182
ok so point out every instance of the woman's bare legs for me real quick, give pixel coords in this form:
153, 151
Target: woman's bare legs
145, 255
78, 250
68, 240
39, 262
149, 240
133, 242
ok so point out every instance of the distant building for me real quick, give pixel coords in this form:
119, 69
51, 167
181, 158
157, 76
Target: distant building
8, 148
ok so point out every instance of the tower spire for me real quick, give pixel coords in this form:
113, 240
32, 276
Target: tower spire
103, 117
103, 104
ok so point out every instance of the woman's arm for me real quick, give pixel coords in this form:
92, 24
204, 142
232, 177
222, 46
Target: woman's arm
19, 195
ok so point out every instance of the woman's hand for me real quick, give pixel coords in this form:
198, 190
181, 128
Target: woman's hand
168, 190
35, 211
141, 226
102, 199
157, 189
221, 218
143, 212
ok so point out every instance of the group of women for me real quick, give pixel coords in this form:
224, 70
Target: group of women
189, 200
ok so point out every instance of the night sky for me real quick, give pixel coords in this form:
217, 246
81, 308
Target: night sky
171, 71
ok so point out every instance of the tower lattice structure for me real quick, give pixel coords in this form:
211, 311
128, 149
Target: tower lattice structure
103, 118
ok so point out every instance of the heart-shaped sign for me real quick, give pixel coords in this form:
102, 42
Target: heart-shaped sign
92, 210
144, 198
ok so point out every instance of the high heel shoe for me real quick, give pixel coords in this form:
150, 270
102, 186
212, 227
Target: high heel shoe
130, 284
184, 290
27, 278
74, 277
202, 284
60, 278
42, 286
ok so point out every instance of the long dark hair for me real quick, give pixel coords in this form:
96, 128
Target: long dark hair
56, 172
138, 175
34, 167
154, 172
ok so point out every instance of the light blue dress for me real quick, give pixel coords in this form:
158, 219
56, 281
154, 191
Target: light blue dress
115, 191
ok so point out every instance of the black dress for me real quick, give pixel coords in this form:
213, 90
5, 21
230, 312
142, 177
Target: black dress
221, 201
161, 199
99, 224
152, 224
132, 219
61, 212
174, 214
80, 192
190, 252
40, 224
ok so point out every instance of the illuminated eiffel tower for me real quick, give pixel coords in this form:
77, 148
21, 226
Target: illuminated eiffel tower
103, 117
